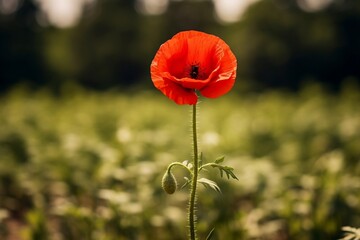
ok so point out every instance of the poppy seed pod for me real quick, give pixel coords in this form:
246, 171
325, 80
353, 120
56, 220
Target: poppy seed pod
169, 183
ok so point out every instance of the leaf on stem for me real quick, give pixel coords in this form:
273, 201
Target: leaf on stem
186, 183
211, 234
201, 156
227, 170
208, 183
220, 159
351, 233
187, 164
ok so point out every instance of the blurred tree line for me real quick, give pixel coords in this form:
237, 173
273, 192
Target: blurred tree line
277, 43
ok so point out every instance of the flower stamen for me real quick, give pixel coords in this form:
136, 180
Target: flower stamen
194, 71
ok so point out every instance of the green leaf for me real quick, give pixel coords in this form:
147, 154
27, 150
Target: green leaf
227, 170
201, 159
220, 159
211, 234
351, 233
185, 163
208, 183
186, 183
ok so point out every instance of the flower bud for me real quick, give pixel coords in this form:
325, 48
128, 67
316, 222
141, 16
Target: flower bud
169, 183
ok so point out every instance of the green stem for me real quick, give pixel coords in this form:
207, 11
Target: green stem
192, 200
178, 164
209, 165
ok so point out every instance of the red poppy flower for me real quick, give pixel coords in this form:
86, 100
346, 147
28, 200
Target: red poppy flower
193, 61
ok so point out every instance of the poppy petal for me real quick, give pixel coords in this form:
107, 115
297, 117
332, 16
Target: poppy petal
171, 57
202, 49
188, 83
190, 61
225, 80
218, 88
177, 93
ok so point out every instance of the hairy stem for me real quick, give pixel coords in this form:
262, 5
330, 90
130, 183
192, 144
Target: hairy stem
192, 200
178, 164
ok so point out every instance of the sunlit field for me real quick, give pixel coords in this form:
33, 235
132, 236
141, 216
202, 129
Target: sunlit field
86, 165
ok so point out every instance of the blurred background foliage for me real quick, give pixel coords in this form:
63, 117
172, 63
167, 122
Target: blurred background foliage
87, 165
85, 138
279, 43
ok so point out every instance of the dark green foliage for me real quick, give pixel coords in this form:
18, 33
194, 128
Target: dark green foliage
276, 42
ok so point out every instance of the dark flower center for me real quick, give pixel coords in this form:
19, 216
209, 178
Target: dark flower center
194, 71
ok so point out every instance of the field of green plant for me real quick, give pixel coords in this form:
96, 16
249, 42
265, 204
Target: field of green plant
86, 165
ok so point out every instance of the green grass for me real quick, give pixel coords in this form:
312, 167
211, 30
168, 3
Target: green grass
87, 165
